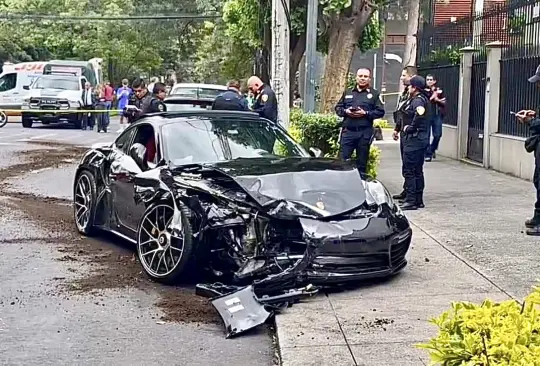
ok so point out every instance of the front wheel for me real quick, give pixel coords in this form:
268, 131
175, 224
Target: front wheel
164, 254
27, 121
84, 202
3, 119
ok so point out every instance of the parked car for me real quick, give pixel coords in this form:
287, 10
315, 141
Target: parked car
58, 99
195, 90
234, 194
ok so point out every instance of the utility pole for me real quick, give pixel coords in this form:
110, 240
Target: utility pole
311, 54
383, 68
280, 59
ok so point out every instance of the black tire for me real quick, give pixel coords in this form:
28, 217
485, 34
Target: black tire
186, 258
3, 119
78, 122
26, 122
87, 226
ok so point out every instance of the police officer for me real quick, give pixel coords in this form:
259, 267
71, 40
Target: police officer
139, 102
406, 74
232, 99
156, 103
359, 107
265, 99
532, 145
415, 138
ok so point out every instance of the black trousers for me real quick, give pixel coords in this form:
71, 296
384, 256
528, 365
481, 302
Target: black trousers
360, 140
536, 181
413, 172
402, 170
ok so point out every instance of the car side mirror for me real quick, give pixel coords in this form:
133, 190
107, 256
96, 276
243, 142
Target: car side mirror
316, 153
26, 87
138, 153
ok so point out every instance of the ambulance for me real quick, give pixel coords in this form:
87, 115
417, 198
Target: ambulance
15, 79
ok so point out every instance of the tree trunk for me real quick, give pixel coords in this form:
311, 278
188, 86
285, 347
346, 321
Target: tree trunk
297, 52
409, 55
342, 39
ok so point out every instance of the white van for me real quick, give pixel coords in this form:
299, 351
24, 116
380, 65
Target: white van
12, 81
15, 77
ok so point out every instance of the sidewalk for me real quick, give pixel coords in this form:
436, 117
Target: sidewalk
468, 244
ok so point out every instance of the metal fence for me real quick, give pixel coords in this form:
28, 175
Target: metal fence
520, 58
447, 77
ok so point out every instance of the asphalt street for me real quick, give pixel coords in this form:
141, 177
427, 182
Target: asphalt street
14, 134
71, 300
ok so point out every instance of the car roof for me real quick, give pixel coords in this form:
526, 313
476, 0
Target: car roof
61, 75
202, 86
163, 118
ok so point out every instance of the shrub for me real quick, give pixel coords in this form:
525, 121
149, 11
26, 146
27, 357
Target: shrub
322, 131
505, 333
382, 123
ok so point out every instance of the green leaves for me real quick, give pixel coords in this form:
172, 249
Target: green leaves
322, 131
505, 333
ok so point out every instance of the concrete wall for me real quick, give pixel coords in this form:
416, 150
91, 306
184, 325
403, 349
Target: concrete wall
501, 152
508, 155
449, 141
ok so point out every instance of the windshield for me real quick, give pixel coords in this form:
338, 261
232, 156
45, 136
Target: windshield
214, 139
196, 92
57, 83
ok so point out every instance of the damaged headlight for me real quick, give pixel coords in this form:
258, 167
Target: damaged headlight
377, 194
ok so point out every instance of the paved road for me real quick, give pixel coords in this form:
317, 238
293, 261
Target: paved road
15, 134
70, 300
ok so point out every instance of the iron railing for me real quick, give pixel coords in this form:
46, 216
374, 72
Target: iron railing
517, 93
478, 95
447, 77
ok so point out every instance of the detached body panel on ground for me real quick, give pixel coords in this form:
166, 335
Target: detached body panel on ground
232, 194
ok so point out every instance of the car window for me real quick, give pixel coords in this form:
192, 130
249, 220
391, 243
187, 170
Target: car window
56, 83
209, 93
8, 82
185, 92
145, 135
122, 142
207, 140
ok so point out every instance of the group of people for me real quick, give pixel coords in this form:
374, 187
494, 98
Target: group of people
99, 99
420, 110
264, 99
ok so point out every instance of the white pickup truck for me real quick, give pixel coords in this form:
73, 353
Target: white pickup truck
58, 99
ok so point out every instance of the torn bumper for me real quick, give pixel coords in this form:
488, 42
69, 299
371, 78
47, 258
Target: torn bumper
354, 250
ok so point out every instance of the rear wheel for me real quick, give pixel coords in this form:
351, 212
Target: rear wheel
27, 121
164, 254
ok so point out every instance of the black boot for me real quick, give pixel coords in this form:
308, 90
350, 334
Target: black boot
400, 196
534, 231
532, 222
407, 206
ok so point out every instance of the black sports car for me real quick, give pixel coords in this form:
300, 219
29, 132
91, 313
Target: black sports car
233, 194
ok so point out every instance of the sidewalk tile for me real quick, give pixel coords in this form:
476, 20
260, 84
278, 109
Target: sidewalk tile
317, 356
389, 354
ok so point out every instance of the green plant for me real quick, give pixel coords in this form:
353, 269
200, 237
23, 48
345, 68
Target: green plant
382, 123
322, 131
489, 334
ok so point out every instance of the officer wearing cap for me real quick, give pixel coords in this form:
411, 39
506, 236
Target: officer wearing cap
532, 145
359, 107
415, 138
232, 99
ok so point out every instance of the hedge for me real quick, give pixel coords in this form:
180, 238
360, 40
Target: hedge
489, 334
322, 131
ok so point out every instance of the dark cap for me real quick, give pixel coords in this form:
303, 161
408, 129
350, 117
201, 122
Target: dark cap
418, 82
536, 77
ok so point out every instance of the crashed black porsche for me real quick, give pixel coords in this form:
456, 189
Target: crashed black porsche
232, 194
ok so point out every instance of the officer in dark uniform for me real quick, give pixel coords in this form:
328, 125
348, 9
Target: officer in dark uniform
415, 137
406, 74
265, 99
232, 99
532, 145
359, 107
139, 102
156, 104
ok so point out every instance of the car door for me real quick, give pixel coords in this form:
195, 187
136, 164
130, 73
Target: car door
122, 173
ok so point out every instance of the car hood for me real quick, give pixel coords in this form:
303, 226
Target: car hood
316, 187
56, 93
